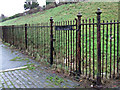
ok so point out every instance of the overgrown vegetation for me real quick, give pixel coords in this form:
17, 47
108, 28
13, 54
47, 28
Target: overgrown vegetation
19, 59
56, 80
31, 66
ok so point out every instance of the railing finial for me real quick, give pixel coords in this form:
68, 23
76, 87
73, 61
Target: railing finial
79, 14
98, 11
51, 18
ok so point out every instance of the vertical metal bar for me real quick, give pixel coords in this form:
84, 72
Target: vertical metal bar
9, 39
48, 41
68, 47
21, 37
86, 47
76, 43
35, 25
40, 39
64, 45
51, 41
32, 33
37, 38
13, 34
61, 44
103, 52
106, 48
3, 33
73, 45
18, 32
71, 48
89, 48
10, 35
57, 43
28, 39
114, 51
55, 46
14, 37
93, 52
33, 39
26, 36
83, 46
110, 47
44, 41
79, 41
118, 57
7, 34
17, 37
98, 47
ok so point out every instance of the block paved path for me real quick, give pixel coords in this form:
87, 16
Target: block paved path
36, 78
32, 79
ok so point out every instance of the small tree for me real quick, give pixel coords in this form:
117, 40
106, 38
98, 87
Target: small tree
30, 5
34, 4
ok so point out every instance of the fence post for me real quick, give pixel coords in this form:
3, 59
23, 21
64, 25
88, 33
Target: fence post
26, 36
51, 40
79, 41
98, 47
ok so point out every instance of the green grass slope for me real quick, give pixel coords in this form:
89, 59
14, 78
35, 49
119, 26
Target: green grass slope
69, 12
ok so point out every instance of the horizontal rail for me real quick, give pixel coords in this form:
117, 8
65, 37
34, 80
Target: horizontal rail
110, 23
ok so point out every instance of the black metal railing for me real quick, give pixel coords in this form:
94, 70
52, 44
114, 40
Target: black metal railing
86, 47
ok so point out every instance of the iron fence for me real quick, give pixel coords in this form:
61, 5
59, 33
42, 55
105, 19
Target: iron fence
33, 39
86, 47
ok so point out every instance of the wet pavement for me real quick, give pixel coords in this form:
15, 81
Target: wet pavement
7, 54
